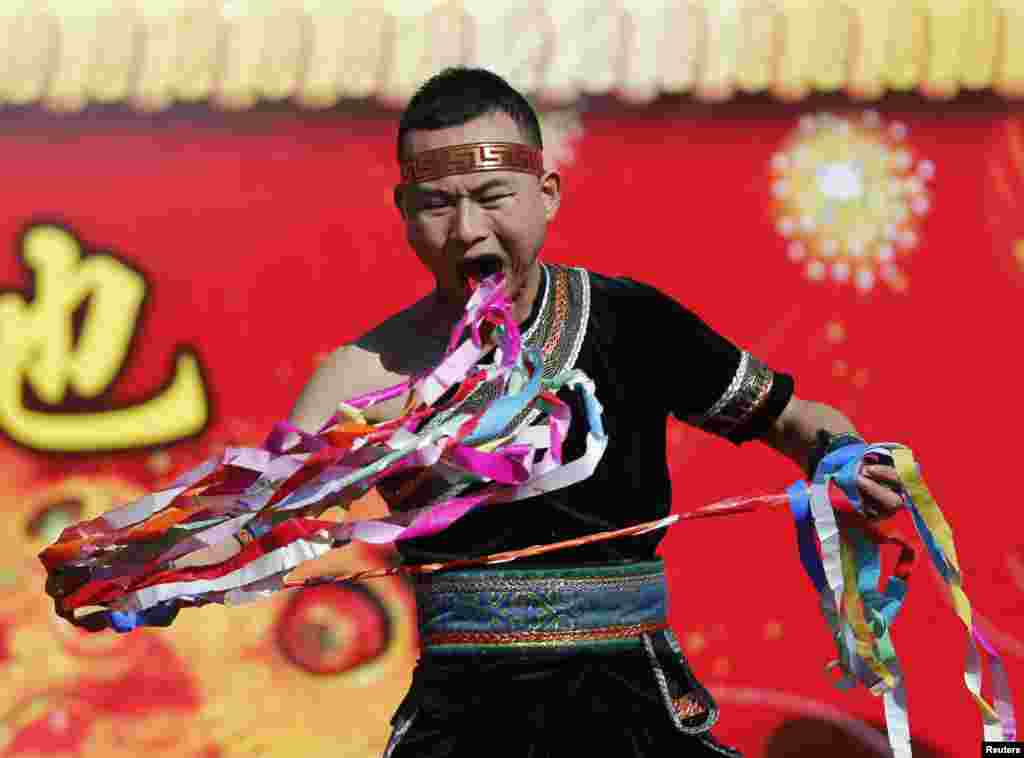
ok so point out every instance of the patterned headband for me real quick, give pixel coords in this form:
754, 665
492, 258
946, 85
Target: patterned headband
470, 158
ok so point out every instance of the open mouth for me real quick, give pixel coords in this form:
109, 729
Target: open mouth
475, 270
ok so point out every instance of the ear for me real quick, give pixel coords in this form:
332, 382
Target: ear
399, 198
551, 189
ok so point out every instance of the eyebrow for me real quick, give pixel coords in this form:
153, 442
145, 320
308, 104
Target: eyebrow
486, 186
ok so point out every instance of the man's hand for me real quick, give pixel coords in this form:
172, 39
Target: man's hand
795, 434
880, 490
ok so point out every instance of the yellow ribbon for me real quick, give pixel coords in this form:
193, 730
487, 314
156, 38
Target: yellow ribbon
910, 477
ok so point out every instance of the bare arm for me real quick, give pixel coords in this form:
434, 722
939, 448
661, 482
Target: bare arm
794, 433
347, 372
319, 398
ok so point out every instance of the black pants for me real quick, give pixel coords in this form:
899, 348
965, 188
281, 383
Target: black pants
541, 708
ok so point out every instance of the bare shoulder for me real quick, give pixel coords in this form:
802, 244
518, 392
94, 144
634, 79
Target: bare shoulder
391, 352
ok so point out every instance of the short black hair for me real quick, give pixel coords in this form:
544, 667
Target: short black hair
460, 94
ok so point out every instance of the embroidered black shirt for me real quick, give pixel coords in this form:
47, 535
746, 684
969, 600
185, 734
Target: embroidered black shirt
725, 391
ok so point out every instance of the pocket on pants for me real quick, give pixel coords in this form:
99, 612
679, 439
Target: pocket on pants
690, 706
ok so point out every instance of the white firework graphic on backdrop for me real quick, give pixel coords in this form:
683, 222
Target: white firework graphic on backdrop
849, 197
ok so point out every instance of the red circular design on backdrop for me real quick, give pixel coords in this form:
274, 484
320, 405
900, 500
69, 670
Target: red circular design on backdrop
333, 628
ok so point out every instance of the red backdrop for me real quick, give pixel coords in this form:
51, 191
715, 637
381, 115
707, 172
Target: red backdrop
267, 239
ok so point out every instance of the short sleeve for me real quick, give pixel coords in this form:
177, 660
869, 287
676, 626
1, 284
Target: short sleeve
708, 381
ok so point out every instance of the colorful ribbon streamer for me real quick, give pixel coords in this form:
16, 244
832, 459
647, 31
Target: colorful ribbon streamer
233, 529
840, 554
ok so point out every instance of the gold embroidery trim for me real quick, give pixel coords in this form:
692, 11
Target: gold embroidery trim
561, 311
533, 638
750, 387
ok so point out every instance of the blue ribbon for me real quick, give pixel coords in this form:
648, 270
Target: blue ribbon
800, 505
887, 602
161, 614
499, 414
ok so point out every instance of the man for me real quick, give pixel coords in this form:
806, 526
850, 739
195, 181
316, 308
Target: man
476, 200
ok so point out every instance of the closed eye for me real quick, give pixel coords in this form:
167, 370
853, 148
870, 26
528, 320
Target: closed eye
493, 199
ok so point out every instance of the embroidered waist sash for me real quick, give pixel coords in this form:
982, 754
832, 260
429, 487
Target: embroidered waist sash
554, 609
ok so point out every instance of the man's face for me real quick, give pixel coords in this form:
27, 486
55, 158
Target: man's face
472, 225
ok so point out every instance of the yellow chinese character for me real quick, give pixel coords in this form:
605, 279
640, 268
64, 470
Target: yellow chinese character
38, 348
